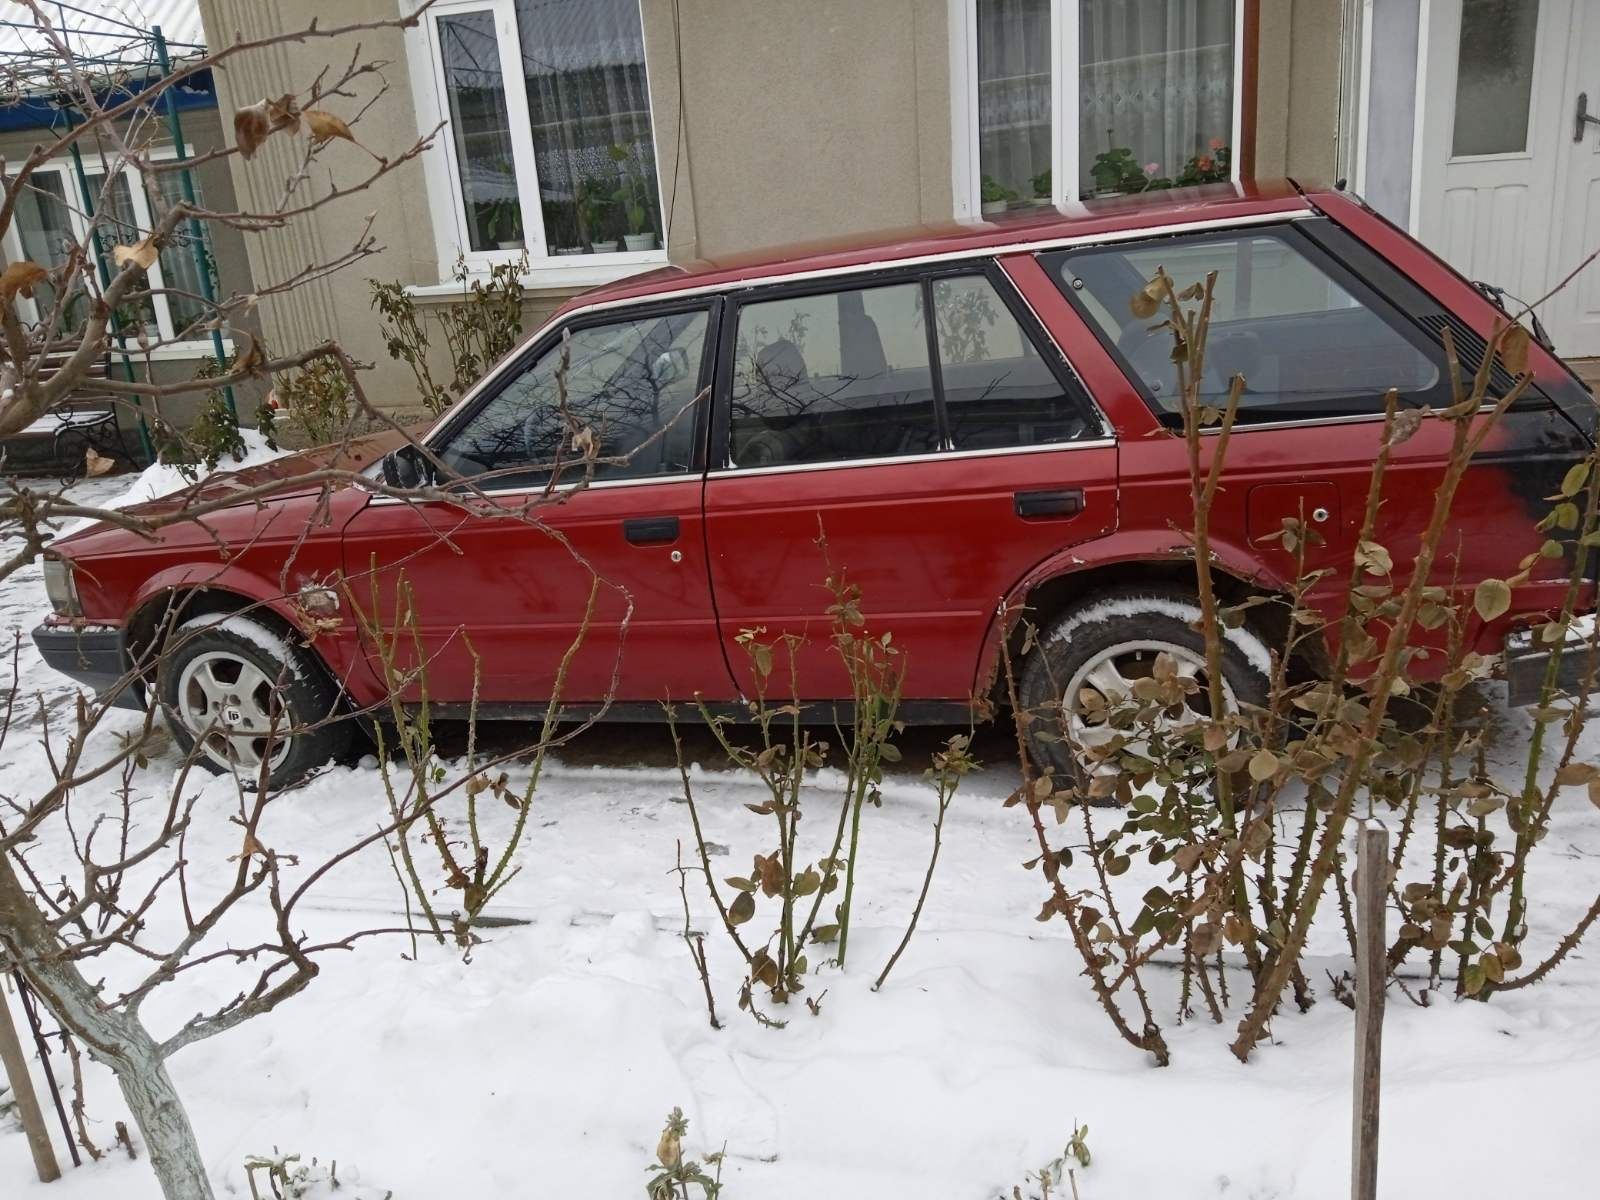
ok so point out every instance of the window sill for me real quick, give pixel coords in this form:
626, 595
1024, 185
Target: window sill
554, 273
173, 350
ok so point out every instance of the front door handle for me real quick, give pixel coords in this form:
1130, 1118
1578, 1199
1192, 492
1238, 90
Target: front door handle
1583, 117
1065, 503
650, 531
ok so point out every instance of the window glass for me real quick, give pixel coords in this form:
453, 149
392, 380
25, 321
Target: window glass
1155, 94
1494, 76
632, 383
179, 271
119, 225
44, 227
480, 127
589, 109
1306, 346
835, 376
1014, 90
998, 391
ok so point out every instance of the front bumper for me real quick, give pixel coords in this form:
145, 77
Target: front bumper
1526, 660
96, 658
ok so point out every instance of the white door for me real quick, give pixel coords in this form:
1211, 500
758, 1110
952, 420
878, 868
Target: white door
1504, 192
1573, 315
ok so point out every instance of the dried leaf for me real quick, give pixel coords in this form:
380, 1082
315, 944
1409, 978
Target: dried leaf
20, 277
142, 253
1492, 598
254, 123
1514, 349
324, 126
742, 908
1263, 765
95, 465
1147, 300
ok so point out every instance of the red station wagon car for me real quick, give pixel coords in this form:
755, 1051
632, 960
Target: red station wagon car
1019, 449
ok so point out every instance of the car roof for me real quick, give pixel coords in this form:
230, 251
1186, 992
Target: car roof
1121, 214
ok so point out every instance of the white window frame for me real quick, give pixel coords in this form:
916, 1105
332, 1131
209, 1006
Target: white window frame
966, 173
443, 179
198, 346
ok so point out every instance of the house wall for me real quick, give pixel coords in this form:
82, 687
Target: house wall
1297, 89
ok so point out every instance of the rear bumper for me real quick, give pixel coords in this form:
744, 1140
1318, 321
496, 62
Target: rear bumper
96, 658
1526, 660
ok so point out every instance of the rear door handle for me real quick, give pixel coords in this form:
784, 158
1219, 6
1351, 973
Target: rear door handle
1066, 503
650, 531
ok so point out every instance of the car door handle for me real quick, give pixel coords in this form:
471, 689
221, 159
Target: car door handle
650, 531
1065, 503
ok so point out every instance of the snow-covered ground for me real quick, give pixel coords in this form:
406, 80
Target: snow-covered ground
545, 1065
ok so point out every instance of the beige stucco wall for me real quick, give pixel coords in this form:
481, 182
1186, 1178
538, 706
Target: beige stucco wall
801, 121
1297, 110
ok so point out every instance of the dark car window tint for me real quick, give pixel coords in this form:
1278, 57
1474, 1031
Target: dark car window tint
835, 376
632, 383
1306, 343
998, 390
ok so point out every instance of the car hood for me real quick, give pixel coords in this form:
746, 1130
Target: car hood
284, 471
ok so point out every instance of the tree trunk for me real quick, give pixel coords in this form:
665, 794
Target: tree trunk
115, 1038
163, 1123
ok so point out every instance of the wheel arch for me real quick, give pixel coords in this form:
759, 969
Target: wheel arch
1069, 578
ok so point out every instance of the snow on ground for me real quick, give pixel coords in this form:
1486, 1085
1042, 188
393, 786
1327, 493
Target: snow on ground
545, 1066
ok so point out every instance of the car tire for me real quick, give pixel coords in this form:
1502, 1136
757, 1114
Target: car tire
1123, 626
223, 672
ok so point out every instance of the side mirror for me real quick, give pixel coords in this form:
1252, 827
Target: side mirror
407, 467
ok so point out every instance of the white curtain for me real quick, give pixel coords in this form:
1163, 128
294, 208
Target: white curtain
1014, 98
1156, 80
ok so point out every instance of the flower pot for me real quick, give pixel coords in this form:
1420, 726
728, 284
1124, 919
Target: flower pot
603, 247
639, 241
569, 250
991, 207
511, 244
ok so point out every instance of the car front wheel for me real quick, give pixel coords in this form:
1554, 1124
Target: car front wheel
1090, 659
240, 697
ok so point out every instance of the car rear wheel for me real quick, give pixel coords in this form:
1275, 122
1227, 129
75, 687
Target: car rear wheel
239, 696
1091, 657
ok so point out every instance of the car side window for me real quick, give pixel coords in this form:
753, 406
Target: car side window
998, 389
1309, 341
832, 376
632, 384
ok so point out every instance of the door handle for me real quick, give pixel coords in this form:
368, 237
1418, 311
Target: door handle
1065, 503
650, 531
1583, 118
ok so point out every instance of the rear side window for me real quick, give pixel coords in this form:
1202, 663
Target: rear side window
1310, 340
998, 389
857, 373
835, 376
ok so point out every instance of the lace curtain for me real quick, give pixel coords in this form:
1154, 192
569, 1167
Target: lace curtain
1154, 93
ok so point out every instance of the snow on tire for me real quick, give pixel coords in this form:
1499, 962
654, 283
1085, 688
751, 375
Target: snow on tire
1110, 640
236, 693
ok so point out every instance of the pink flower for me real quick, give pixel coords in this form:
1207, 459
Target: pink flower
1217, 143
1203, 162
1152, 168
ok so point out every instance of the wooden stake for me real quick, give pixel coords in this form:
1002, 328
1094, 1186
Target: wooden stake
16, 1066
1372, 886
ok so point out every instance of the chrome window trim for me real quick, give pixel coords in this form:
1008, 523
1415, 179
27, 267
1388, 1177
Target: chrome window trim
565, 490
983, 253
836, 464
1302, 422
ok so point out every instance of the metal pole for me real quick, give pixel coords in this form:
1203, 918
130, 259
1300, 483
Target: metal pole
197, 241
104, 270
16, 1068
1372, 970
30, 1009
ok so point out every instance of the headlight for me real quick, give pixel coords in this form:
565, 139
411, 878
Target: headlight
61, 587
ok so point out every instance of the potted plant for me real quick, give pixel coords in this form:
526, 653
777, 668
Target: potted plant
995, 196
503, 224
633, 198
595, 199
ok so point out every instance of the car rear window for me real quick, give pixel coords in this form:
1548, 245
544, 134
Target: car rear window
1310, 340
